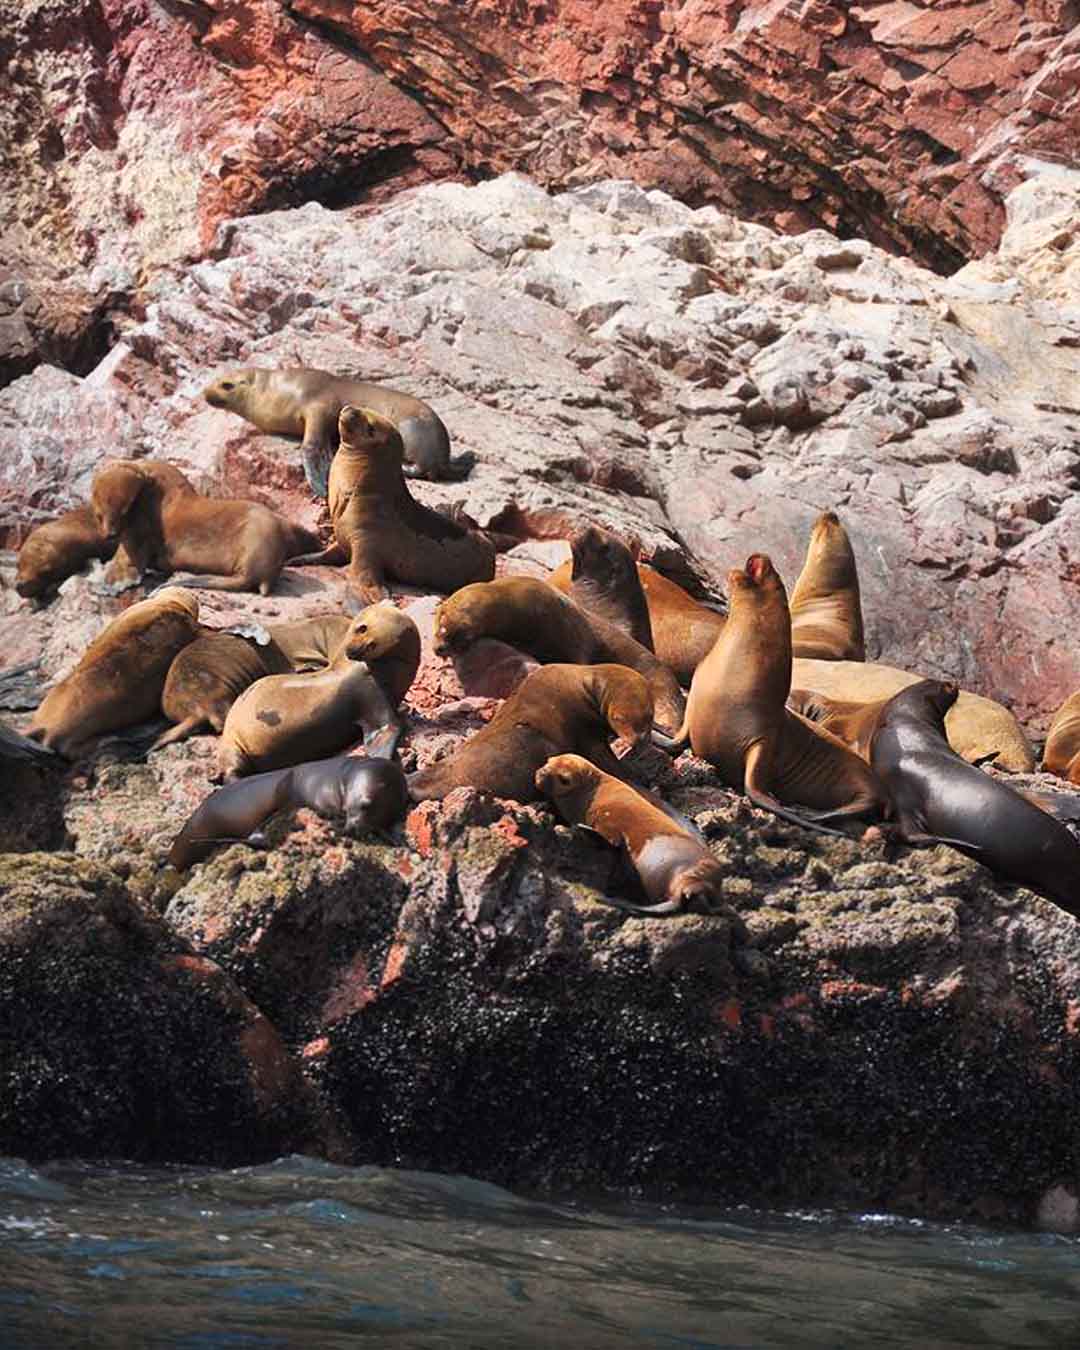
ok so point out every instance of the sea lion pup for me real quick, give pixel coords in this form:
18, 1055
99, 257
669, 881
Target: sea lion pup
677, 871
601, 578
298, 401
380, 529
826, 612
118, 681
284, 719
936, 794
557, 709
1062, 752
310, 644
369, 793
537, 619
736, 718
58, 549
208, 676
163, 524
978, 728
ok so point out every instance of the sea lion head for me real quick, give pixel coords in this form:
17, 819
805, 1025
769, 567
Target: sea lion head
601, 555
379, 630
375, 794
231, 390
830, 552
43, 564
458, 620
364, 431
114, 492
626, 702
172, 597
565, 775
697, 888
758, 577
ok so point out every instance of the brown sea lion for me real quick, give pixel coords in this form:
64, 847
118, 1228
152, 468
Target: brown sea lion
298, 401
684, 630
380, 529
676, 870
58, 549
163, 524
369, 793
937, 794
1062, 752
736, 718
978, 728
284, 719
310, 644
557, 709
534, 617
601, 578
118, 681
852, 723
208, 676
826, 612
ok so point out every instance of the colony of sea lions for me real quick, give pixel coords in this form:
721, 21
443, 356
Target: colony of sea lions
605, 649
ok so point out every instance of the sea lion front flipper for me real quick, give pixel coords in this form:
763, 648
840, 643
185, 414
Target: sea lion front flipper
754, 772
676, 744
382, 742
317, 446
367, 585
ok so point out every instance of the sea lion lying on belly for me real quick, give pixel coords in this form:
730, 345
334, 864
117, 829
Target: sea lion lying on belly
58, 549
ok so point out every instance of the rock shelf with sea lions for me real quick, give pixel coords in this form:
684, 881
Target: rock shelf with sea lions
557, 709
737, 720
380, 529
164, 525
676, 870
284, 719
938, 797
120, 677
535, 618
369, 793
299, 401
58, 549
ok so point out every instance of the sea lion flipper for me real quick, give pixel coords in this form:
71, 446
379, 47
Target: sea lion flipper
382, 741
317, 446
333, 556
180, 732
676, 744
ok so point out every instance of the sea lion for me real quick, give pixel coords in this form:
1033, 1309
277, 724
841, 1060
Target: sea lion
736, 718
369, 793
978, 728
118, 681
310, 644
826, 612
684, 630
937, 796
601, 578
284, 719
852, 723
298, 401
534, 617
58, 549
208, 676
380, 529
557, 709
163, 524
676, 870
1062, 752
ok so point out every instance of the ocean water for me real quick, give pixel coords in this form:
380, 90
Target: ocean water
300, 1253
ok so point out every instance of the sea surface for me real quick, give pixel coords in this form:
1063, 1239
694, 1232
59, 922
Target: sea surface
300, 1253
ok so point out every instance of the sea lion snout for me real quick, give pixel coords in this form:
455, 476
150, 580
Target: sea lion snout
759, 567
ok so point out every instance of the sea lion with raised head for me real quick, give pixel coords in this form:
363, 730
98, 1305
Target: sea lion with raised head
676, 870
58, 549
736, 718
208, 676
381, 530
118, 681
826, 611
1061, 754
369, 793
939, 797
534, 617
978, 728
601, 578
558, 709
162, 524
299, 401
285, 719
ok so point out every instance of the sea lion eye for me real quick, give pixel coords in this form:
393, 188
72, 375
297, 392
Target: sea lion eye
361, 628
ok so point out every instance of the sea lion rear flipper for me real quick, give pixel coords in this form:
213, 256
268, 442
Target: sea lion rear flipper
333, 556
180, 732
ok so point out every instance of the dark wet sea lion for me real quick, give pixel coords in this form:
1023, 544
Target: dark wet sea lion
826, 611
58, 549
557, 709
937, 795
736, 718
380, 529
1062, 752
284, 719
676, 870
534, 617
369, 793
118, 681
299, 401
602, 578
163, 524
